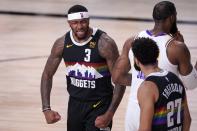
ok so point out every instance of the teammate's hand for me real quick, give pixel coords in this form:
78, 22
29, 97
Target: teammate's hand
51, 116
104, 120
178, 36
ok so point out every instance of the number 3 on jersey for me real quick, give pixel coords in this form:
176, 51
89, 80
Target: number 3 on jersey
87, 57
174, 107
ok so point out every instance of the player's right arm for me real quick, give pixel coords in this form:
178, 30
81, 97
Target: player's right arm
187, 117
147, 96
122, 66
47, 77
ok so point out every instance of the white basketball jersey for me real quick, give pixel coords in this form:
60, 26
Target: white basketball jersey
162, 42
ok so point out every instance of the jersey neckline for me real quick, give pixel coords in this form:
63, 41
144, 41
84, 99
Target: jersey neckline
159, 73
150, 34
85, 42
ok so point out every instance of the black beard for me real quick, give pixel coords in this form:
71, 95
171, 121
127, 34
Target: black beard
136, 67
174, 28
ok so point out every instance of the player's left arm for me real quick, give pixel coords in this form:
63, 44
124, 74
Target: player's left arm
187, 72
147, 96
109, 50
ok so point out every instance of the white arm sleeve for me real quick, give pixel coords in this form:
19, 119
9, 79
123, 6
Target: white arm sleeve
190, 80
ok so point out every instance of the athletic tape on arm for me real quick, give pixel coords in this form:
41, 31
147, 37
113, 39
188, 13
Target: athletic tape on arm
190, 80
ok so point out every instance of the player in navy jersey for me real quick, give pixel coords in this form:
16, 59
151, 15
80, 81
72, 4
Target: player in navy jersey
161, 96
89, 55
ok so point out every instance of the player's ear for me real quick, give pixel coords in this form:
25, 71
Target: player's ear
173, 18
136, 61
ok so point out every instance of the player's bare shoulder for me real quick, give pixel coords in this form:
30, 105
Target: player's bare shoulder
177, 50
58, 46
107, 46
59, 43
145, 91
180, 46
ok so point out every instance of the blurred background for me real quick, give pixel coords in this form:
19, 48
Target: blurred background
28, 29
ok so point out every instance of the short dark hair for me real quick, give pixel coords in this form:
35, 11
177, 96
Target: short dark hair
77, 8
145, 50
163, 10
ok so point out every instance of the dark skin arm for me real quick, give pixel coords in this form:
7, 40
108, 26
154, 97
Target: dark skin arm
47, 78
178, 54
108, 50
122, 66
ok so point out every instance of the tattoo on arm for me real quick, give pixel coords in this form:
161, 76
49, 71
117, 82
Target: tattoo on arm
49, 70
109, 50
117, 97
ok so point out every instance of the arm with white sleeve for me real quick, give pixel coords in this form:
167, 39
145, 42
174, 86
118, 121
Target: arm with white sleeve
190, 80
181, 57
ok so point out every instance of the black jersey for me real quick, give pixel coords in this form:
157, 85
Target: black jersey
87, 73
169, 109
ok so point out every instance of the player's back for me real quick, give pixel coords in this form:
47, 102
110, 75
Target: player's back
169, 108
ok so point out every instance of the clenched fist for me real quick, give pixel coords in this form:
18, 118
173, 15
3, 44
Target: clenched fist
51, 116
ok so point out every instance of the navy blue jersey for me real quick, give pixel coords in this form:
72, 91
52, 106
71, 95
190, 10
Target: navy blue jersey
87, 73
169, 109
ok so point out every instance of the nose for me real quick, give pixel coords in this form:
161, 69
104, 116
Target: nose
79, 25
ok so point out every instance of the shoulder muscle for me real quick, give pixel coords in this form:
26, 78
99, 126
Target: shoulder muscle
147, 92
179, 54
58, 47
107, 47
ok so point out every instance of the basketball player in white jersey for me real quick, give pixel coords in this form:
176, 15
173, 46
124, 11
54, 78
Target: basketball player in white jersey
161, 96
174, 56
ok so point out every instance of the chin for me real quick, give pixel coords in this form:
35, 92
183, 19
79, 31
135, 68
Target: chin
81, 37
80, 34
